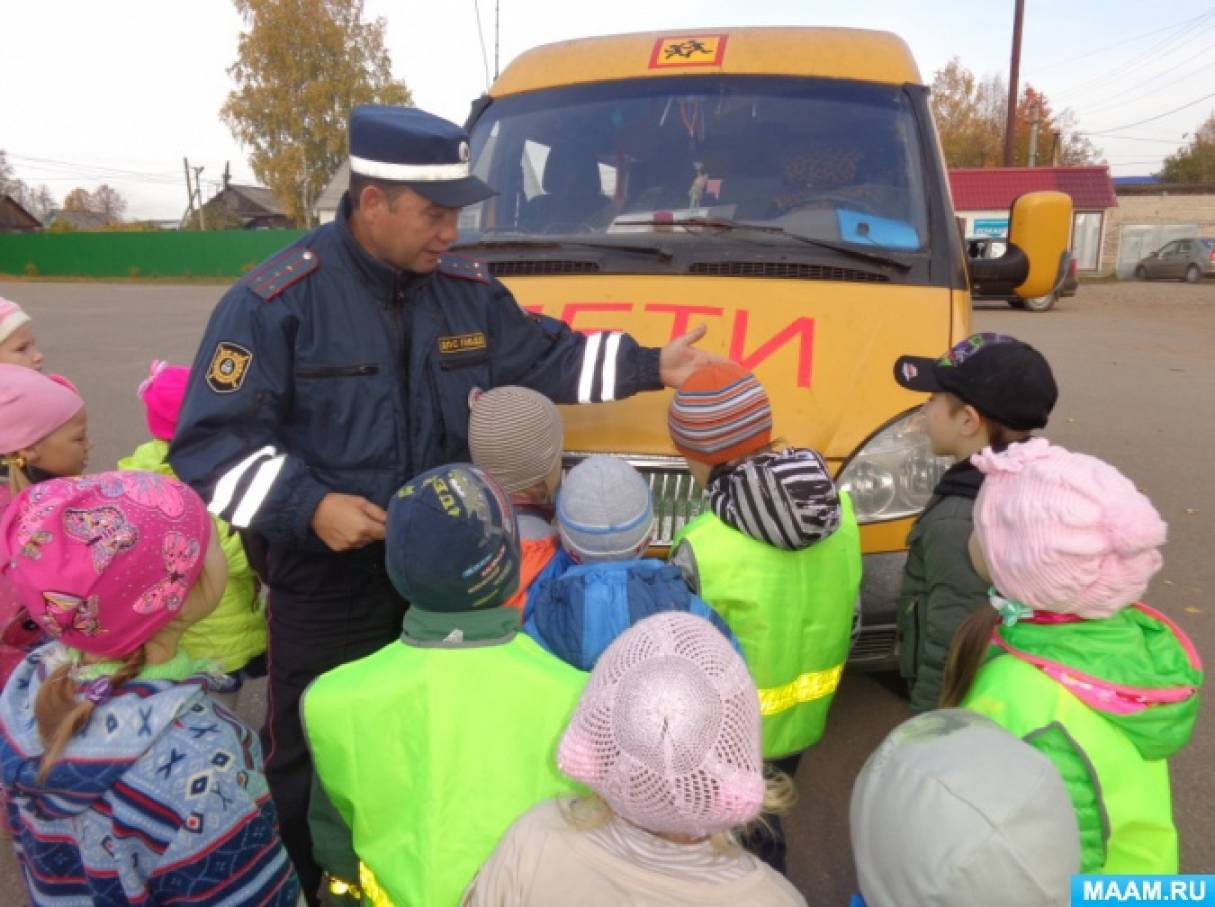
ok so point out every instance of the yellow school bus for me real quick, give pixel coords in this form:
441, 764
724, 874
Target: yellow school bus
786, 187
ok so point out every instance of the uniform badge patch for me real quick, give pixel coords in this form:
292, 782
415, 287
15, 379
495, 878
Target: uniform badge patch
228, 367
462, 343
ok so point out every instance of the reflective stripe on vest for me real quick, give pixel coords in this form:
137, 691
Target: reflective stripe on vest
796, 654
1132, 793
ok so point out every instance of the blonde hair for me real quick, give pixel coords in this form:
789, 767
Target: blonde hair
780, 796
18, 480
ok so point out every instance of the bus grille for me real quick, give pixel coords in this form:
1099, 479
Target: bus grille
676, 498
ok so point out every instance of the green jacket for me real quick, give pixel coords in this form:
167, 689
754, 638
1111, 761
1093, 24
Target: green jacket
940, 589
1107, 701
429, 751
235, 633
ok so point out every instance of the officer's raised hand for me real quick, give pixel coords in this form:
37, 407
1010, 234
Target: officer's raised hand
347, 521
680, 357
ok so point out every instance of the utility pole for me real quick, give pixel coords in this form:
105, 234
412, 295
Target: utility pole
227, 174
1054, 148
1035, 114
189, 188
202, 214
1014, 73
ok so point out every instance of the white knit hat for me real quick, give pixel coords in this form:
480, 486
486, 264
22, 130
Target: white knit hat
12, 316
667, 731
515, 435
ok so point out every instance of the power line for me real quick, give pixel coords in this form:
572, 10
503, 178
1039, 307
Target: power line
1130, 40
1137, 60
481, 37
1139, 138
1152, 119
1122, 101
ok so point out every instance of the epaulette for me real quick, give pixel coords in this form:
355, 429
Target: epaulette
280, 271
464, 268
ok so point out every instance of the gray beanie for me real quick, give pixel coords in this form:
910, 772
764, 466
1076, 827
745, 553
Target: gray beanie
954, 810
604, 512
515, 435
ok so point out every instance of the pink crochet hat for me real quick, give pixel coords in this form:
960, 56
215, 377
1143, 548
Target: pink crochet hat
12, 316
667, 730
1063, 531
32, 405
162, 393
102, 563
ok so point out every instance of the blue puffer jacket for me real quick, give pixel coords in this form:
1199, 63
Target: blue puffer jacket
579, 613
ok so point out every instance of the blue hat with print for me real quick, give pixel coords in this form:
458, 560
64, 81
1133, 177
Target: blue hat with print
452, 541
427, 153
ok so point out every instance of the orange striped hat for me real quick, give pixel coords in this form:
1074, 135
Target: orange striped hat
719, 414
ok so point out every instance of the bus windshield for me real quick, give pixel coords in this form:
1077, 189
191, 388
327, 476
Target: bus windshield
832, 160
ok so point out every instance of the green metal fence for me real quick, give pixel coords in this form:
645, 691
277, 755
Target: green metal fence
219, 253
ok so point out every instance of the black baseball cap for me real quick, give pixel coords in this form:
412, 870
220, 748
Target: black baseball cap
1002, 377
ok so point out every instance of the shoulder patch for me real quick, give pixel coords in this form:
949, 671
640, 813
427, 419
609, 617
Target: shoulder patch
464, 268
280, 271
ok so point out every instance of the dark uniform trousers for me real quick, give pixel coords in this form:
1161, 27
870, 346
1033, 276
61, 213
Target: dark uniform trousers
334, 609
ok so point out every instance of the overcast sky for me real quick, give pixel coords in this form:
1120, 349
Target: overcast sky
120, 91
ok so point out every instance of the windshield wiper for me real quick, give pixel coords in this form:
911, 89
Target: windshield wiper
504, 243
721, 223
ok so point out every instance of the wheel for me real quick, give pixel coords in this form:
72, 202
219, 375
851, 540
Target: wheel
1141, 273
1016, 303
1041, 303
1192, 274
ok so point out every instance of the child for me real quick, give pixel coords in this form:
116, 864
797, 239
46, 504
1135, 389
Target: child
667, 736
17, 343
432, 746
954, 811
777, 555
126, 783
1105, 687
989, 390
235, 634
606, 520
515, 435
43, 435
43, 427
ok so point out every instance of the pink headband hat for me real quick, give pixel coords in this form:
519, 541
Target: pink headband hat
1065, 532
162, 393
32, 405
103, 562
667, 730
12, 316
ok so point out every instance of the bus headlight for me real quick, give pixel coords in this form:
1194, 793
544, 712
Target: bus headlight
892, 474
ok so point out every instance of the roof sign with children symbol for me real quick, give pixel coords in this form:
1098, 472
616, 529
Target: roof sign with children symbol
679, 51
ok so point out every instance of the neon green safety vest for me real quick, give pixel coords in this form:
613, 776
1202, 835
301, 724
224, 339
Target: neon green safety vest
430, 753
1123, 805
792, 613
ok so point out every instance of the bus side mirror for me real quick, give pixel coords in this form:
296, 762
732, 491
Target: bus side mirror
1037, 256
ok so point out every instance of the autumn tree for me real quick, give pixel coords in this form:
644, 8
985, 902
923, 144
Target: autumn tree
301, 67
1195, 163
970, 116
9, 184
79, 199
109, 203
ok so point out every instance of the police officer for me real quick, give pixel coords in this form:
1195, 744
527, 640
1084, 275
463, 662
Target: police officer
341, 367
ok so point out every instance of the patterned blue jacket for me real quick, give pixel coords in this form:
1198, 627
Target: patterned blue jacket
160, 800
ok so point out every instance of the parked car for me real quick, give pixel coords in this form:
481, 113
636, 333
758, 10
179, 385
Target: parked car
1182, 259
993, 247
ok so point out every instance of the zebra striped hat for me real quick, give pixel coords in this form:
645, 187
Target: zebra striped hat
720, 413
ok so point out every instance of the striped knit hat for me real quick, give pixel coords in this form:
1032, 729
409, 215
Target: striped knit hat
720, 413
515, 435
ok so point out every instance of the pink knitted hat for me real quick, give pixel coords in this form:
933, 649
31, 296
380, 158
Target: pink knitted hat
102, 563
667, 730
1063, 531
32, 405
162, 393
12, 316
